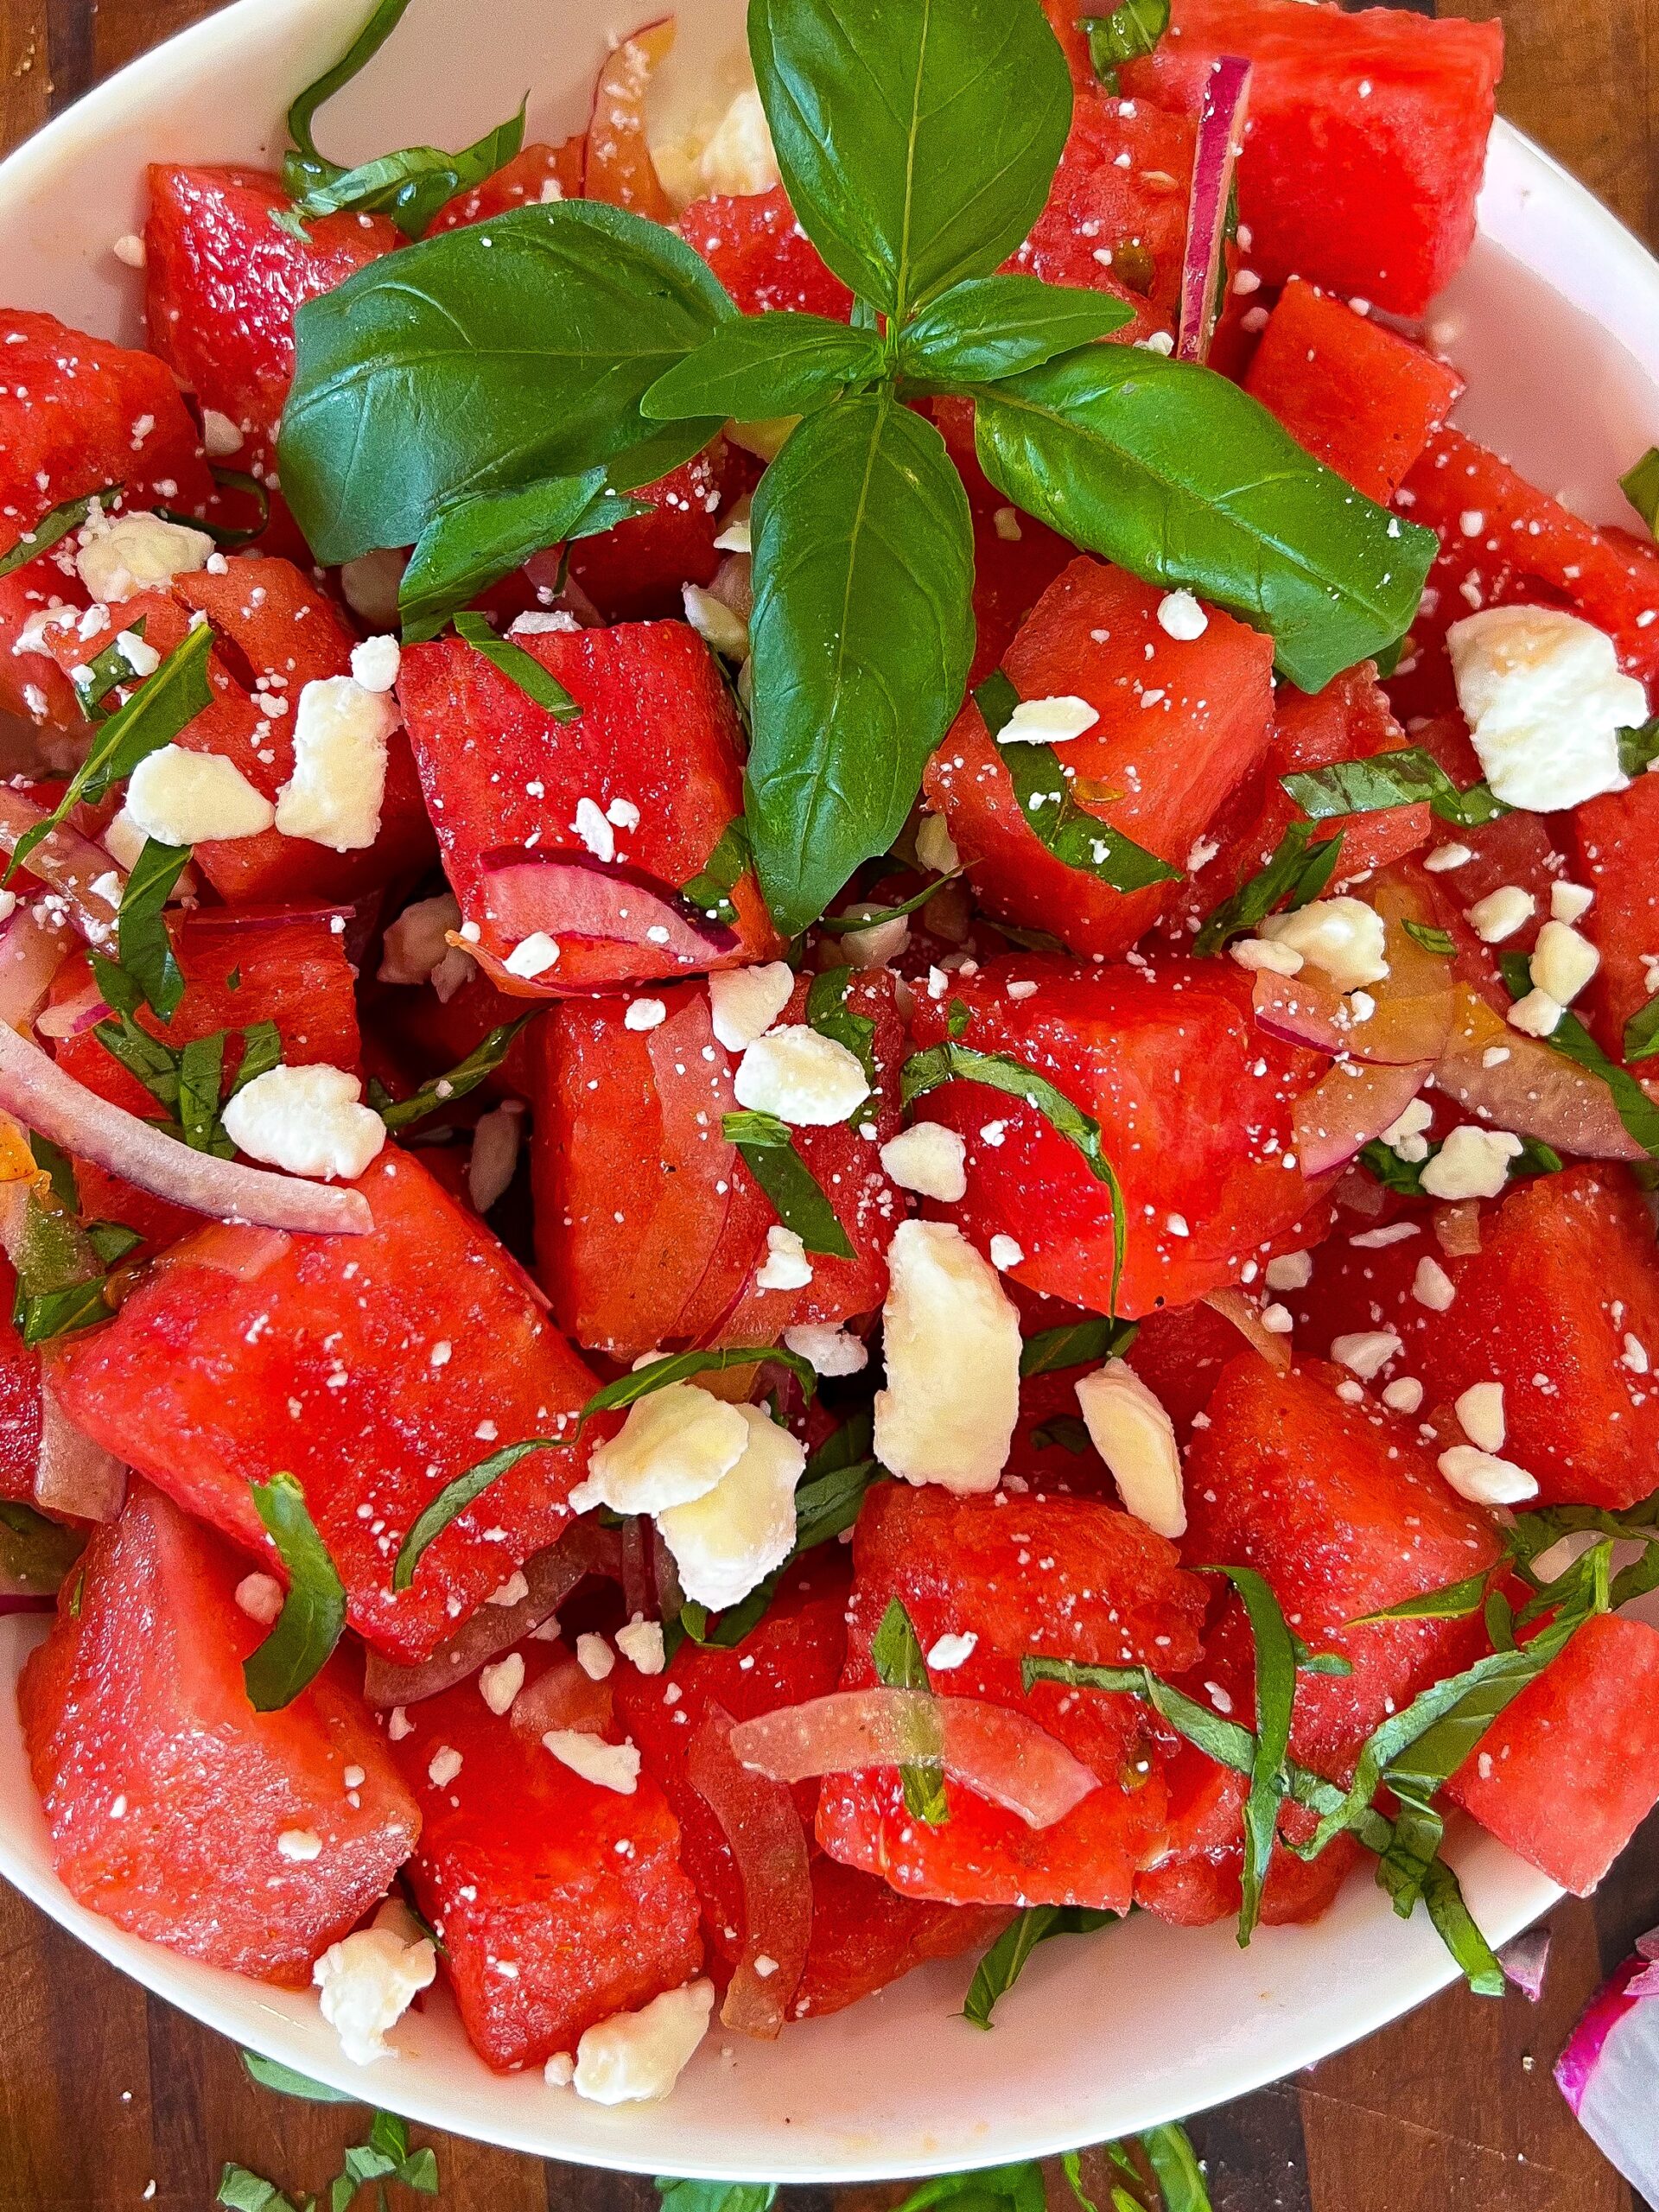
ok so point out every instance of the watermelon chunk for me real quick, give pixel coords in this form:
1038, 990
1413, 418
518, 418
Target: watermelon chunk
1195, 1105
1367, 137
559, 1902
167, 1796
637, 570
1016, 558
1180, 722
1568, 1771
1615, 852
761, 255
1361, 398
628, 1121
657, 751
536, 173
19, 1400
1109, 1591
375, 1369
32, 685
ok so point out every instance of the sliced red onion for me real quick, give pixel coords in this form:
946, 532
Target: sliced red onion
1220, 141
1607, 2074
66, 862
1457, 1228
73, 1017
1523, 1961
31, 952
73, 1475
1352, 1104
22, 1604
548, 1579
1000, 1754
1521, 1085
1242, 1310
758, 1820
1300, 1011
564, 897
230, 1248
564, 1695
53, 1104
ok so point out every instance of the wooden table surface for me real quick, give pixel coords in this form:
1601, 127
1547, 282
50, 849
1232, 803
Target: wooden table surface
109, 2097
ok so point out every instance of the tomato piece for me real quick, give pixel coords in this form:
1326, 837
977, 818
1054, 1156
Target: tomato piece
536, 175
628, 1122
657, 737
1179, 722
365, 1366
761, 255
1569, 1771
1367, 138
617, 164
962, 1565
167, 1796
637, 570
1195, 1106
522, 1863
1344, 1514
1360, 398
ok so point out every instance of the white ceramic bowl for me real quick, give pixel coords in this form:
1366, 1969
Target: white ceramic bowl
1556, 319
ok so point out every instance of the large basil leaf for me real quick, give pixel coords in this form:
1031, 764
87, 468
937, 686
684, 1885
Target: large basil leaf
472, 543
763, 365
483, 358
862, 633
1176, 475
917, 142
992, 327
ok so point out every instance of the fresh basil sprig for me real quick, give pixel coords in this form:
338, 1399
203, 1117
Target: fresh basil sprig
766, 1147
473, 542
988, 327
1384, 779
896, 1655
142, 936
1293, 877
762, 366
313, 1618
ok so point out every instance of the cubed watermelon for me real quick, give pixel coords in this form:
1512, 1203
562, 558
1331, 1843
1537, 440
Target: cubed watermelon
251, 1841
536, 173
1179, 722
375, 1369
32, 685
1016, 558
761, 255
1615, 851
19, 1400
639, 570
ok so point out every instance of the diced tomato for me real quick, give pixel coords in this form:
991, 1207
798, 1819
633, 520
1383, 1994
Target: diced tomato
1116, 215
1560, 1305
363, 1365
1614, 845
167, 1796
1194, 1103
628, 1122
224, 283
1179, 722
1344, 1514
1108, 1593
77, 416
536, 175
1360, 398
1366, 142
637, 570
658, 744
522, 1865
1569, 1771
617, 164
19, 1400
761, 255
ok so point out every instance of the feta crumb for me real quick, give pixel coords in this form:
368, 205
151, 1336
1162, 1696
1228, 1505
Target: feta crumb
637, 2057
734, 1534
608, 1766
645, 1013
673, 1448
744, 1002
1537, 1015
1500, 913
366, 1982
929, 1160
334, 796
1006, 1253
260, 1597
875, 946
935, 847
1290, 1271
300, 1844
130, 250
143, 659
1261, 954
1129, 1427
594, 831
560, 2070
786, 1266
307, 1120
726, 633
533, 955
831, 1348
1545, 701
181, 797
1404, 1395
1047, 721
1563, 962
1471, 1164
952, 1340
806, 1079
500, 1683
595, 1658
1570, 902
950, 1652
1405, 1137
1432, 1287
1445, 858
443, 1766
1480, 1415
641, 1643
219, 434
1366, 1352
1180, 615
375, 662
1484, 1479
122, 556
1343, 938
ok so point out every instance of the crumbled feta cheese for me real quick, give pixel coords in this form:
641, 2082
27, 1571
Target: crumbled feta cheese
929, 1158
1342, 937
366, 1982
494, 1161
1471, 1164
935, 847
674, 1446
301, 1845
1570, 902
1545, 702
641, 1643
124, 841
1404, 1395
950, 1652
542, 622
1500, 913
1484, 1479
533, 955
594, 829
1261, 954
831, 1348
219, 434
340, 736
1047, 721
738, 535
875, 946
608, 1766
952, 1340
1563, 961
1366, 1352
786, 1266
500, 1683
806, 1079
560, 2070
744, 1002
595, 1658
1405, 1138
1006, 1252
260, 1597
375, 663
1480, 1415
739, 158
726, 633
732, 1537
645, 1013
1134, 1434
637, 2057
1445, 858
130, 250
142, 660
1537, 1015
122, 555
1290, 1271
1432, 1287
307, 1120
181, 797
443, 1766
1180, 615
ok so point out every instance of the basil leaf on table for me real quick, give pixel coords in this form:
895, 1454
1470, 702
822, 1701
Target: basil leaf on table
715, 2196
1295, 875
862, 635
1005, 1961
485, 357
1181, 478
1384, 779
472, 543
1639, 486
768, 1149
1128, 32
519, 667
52, 528
142, 937
991, 327
897, 1656
761, 365
271, 2074
916, 144
314, 1611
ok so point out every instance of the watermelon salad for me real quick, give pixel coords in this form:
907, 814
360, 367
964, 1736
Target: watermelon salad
830, 979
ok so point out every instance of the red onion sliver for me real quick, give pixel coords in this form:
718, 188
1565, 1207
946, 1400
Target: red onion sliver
53, 1104
1238, 1307
9, 1604
1457, 1228
1000, 1754
31, 952
1220, 139
1523, 1961
564, 897
758, 1820
1531, 1090
64, 862
73, 1017
73, 1475
1607, 2072
1353, 1103
1300, 1011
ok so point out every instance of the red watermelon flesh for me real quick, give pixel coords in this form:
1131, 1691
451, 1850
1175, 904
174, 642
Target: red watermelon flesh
761, 255
637, 571
19, 1400
536, 175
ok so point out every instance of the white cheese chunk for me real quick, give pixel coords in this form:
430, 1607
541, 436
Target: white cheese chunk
674, 1446
260, 1597
1484, 1479
1501, 912
1180, 616
181, 797
1366, 1352
608, 1766
1261, 954
1480, 1415
307, 1120
500, 1683
366, 1982
532, 956
949, 1652
637, 2057
952, 1339
1537, 1015
726, 633
829, 1348
929, 1160
1290, 1271
806, 1079
1134, 1434
1432, 1287
786, 1266
1563, 962
935, 847
595, 1658
1471, 1164
641, 1641
122, 555
1570, 902
375, 662
341, 735
1047, 721
1343, 938
744, 1002
732, 1537
1405, 1138
875, 946
221, 436
1545, 701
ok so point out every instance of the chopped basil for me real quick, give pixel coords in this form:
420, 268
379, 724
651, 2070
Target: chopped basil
1066, 1432
1641, 1032
1004, 1963
1574, 1042
710, 892
1293, 877
845, 924
465, 1077
996, 699
828, 1012
242, 2191
993, 2189
1638, 747
145, 946
62, 1271
226, 535
186, 1081
1535, 1158
52, 528
1175, 2168
1430, 936
766, 1147
271, 2074
59, 1169
385, 2156
1385, 779
518, 666
1276, 1694
897, 1656
312, 1617
1640, 484
1130, 31
108, 670
1077, 1344
201, 1077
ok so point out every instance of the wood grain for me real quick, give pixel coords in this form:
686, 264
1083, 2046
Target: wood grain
109, 2098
